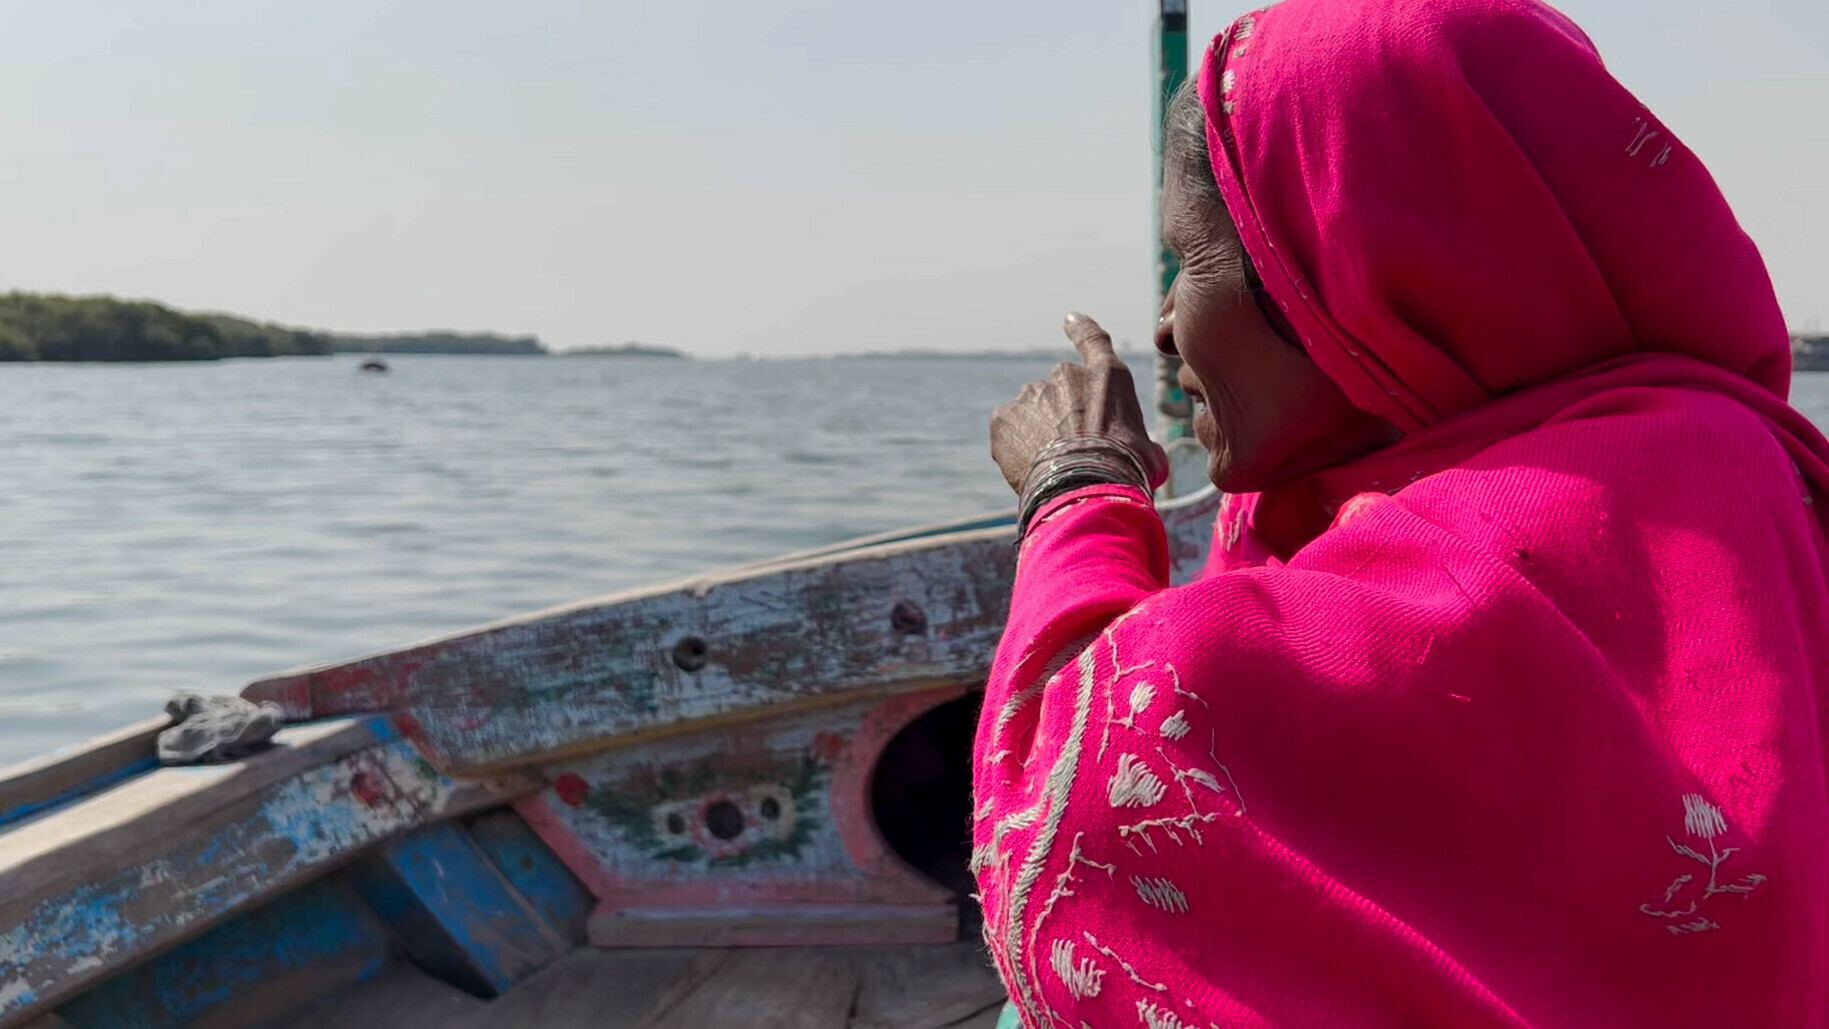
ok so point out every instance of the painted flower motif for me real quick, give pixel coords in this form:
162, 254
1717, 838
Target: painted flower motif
1702, 818
571, 788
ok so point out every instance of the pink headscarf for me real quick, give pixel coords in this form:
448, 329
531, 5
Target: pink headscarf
1525, 727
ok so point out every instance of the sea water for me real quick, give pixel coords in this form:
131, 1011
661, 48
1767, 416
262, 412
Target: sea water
194, 526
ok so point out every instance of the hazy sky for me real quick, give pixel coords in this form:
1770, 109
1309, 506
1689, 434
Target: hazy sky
775, 176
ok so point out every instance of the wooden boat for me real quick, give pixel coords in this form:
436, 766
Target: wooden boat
738, 800
741, 800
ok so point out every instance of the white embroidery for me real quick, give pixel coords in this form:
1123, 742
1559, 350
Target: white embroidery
1642, 133
1161, 894
1134, 785
981, 858
1119, 671
1059, 784
1082, 978
1705, 820
1171, 827
1128, 970
1139, 703
1228, 82
1175, 678
1019, 700
1159, 1018
1176, 725
1702, 818
1063, 886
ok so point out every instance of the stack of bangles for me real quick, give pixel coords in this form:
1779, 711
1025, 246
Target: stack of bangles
1075, 462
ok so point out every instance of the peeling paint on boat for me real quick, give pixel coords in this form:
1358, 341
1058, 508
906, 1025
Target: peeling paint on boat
299, 826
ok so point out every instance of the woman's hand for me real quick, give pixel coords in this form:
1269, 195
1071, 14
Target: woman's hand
1097, 397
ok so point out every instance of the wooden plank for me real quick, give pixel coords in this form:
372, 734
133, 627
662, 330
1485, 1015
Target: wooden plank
904, 616
948, 987
400, 997
116, 878
532, 868
588, 990
457, 916
263, 965
43, 783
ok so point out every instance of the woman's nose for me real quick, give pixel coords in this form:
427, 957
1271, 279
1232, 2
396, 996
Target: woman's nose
1165, 324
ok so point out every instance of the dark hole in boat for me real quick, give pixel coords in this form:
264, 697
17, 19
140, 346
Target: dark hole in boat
690, 654
676, 823
921, 797
724, 819
770, 808
907, 618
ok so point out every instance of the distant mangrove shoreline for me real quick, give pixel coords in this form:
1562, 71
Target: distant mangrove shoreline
50, 327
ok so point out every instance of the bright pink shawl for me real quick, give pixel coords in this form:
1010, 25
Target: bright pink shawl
1527, 728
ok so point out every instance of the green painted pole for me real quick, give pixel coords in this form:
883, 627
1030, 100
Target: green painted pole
1175, 414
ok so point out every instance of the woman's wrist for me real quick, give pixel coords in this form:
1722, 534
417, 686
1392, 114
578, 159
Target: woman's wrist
1076, 462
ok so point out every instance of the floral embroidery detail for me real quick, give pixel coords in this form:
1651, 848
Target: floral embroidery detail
1161, 894
1175, 726
1702, 818
1159, 1018
1134, 785
1705, 820
1082, 978
1139, 703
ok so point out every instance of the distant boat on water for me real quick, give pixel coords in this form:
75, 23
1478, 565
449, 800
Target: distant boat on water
373, 364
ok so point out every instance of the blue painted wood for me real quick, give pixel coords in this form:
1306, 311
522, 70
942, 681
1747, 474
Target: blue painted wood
455, 913
531, 867
92, 890
271, 962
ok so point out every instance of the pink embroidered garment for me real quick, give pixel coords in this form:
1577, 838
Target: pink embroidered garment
1527, 728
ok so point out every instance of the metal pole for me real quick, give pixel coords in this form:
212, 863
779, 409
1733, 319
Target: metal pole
1174, 413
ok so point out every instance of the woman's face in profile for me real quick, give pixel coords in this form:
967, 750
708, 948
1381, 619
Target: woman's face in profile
1263, 410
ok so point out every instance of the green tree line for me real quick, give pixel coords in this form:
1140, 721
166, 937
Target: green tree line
43, 327
37, 327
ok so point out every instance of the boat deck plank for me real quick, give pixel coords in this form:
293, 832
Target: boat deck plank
905, 987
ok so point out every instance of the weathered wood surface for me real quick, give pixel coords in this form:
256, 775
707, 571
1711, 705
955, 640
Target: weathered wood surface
912, 987
456, 914
43, 783
113, 878
264, 965
902, 616
400, 997
751, 834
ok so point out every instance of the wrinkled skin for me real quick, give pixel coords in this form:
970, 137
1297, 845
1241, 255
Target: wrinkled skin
1097, 396
1264, 412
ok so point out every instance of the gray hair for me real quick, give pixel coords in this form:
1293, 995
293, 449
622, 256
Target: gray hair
1185, 153
1184, 146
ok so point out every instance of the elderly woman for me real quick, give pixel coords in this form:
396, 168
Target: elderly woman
1502, 700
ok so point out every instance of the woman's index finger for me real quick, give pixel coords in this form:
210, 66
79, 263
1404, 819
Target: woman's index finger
1093, 342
